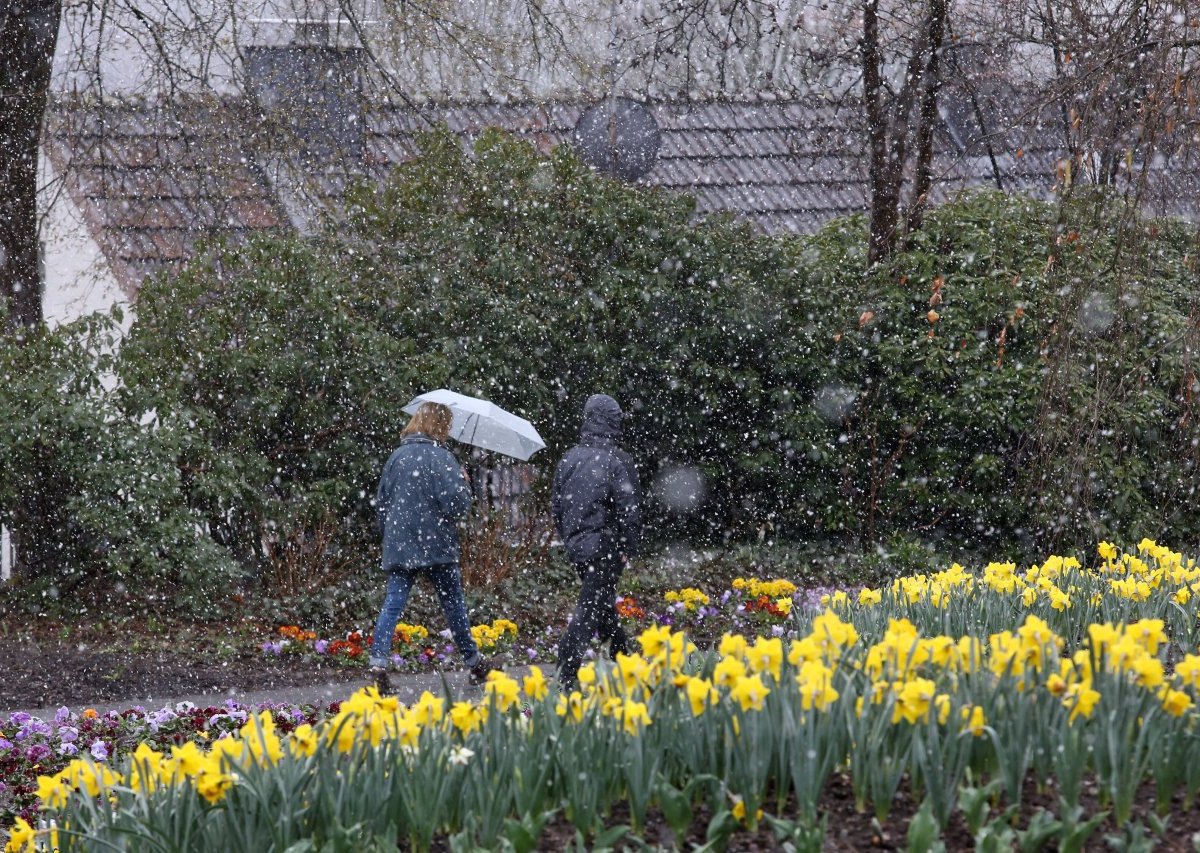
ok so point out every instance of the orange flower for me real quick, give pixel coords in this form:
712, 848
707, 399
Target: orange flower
89, 714
627, 609
294, 632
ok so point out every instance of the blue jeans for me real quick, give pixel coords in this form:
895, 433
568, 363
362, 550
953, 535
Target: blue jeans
447, 581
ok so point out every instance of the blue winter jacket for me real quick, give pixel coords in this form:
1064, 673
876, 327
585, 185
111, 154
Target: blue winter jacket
422, 495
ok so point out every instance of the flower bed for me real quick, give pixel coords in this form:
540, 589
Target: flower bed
966, 694
31, 747
748, 605
414, 647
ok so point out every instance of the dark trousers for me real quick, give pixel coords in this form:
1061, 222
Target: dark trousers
595, 615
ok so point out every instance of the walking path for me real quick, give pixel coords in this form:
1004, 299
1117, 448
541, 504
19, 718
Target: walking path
407, 687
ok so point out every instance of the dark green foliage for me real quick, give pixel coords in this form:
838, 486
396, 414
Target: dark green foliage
93, 495
542, 283
286, 369
817, 399
1050, 402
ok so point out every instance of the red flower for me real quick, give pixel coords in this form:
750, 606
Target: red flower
763, 604
350, 647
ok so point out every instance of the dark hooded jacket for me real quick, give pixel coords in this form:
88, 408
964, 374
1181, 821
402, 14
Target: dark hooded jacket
596, 498
422, 495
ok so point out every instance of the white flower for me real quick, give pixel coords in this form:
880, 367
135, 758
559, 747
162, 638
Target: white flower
460, 755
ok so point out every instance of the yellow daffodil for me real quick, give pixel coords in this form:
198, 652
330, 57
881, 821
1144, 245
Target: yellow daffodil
145, 768
465, 717
212, 785
942, 703
728, 671
869, 597
1081, 701
1188, 671
502, 690
815, 681
749, 692
634, 716
1148, 633
52, 792
913, 700
534, 684
973, 720
739, 810
303, 740
634, 672
654, 639
587, 675
259, 736
701, 694
765, 655
1176, 702
805, 649
1148, 671
571, 706
429, 709
21, 837
732, 646
185, 762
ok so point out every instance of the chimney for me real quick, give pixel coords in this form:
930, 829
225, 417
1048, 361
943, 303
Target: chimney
313, 87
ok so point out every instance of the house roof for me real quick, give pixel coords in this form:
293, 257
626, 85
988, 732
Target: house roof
154, 178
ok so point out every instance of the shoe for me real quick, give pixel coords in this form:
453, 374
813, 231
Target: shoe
478, 673
381, 679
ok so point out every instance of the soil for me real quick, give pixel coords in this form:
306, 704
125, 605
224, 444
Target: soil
48, 663
851, 831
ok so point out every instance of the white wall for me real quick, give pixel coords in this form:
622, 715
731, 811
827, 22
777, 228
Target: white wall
77, 279
6, 554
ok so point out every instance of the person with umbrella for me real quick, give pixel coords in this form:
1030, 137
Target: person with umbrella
423, 493
596, 502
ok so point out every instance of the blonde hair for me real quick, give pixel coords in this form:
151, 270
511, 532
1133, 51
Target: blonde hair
431, 419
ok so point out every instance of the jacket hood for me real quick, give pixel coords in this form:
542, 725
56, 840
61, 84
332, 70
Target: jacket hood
601, 416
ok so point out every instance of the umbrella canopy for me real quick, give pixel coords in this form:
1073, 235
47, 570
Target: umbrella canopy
482, 424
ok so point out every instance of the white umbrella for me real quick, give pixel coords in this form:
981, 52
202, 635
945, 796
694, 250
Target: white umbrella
482, 424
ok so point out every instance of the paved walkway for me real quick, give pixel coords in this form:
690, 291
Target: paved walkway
407, 687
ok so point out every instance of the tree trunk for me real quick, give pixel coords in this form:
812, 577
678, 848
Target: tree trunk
890, 128
883, 211
927, 118
28, 33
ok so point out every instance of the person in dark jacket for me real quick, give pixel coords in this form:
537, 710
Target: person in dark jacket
596, 502
423, 494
